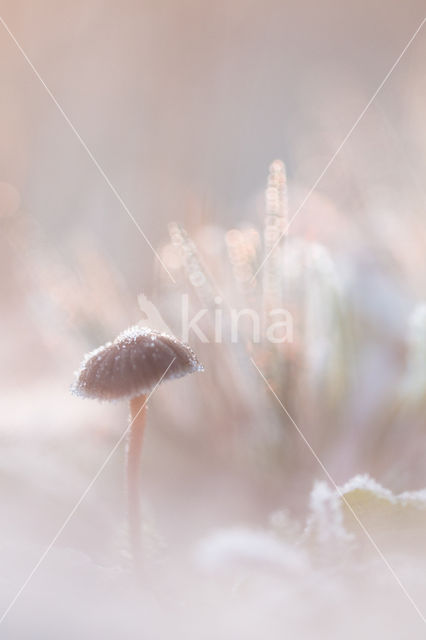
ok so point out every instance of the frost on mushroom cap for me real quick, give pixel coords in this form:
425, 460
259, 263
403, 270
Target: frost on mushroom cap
133, 364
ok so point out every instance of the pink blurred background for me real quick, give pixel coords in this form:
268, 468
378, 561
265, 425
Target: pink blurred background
184, 104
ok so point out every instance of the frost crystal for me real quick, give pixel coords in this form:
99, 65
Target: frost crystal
133, 364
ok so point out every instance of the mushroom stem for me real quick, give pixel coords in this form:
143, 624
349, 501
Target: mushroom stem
134, 450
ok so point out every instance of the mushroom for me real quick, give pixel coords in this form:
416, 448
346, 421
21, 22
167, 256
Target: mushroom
132, 367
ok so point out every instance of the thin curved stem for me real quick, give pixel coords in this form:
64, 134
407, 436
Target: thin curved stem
134, 451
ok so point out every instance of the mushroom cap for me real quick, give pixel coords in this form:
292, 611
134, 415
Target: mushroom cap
133, 365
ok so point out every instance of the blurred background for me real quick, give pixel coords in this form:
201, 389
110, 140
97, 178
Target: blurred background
185, 104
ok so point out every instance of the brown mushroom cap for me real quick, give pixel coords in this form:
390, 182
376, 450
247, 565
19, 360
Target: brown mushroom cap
133, 364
